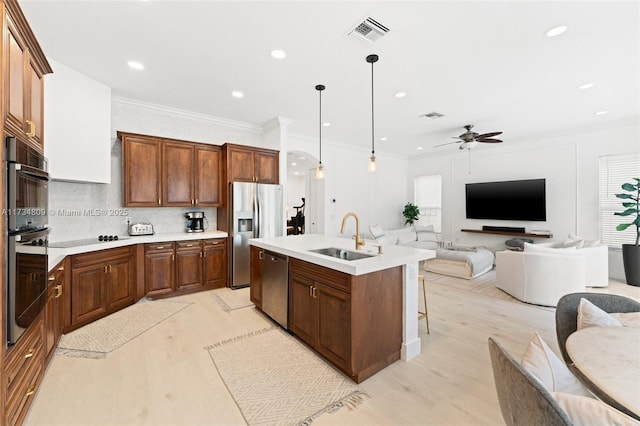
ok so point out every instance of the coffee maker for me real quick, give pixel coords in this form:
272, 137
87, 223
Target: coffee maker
195, 221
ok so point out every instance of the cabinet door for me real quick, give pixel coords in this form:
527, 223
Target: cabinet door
333, 327
207, 176
17, 57
141, 180
88, 298
53, 314
266, 168
35, 121
188, 269
177, 174
215, 265
255, 280
240, 166
119, 283
301, 308
159, 272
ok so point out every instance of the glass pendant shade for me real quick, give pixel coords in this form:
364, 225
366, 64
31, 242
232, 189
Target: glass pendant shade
320, 171
372, 163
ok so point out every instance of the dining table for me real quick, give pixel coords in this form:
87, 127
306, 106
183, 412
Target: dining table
609, 357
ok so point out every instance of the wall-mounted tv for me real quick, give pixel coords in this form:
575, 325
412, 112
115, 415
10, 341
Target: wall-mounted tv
507, 200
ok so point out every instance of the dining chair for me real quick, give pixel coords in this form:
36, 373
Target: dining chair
523, 400
567, 313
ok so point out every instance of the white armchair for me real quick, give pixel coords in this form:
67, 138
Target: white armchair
596, 263
540, 278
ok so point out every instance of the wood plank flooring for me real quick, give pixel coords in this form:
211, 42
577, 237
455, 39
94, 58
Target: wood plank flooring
165, 377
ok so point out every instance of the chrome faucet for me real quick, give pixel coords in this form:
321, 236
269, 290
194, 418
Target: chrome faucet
359, 240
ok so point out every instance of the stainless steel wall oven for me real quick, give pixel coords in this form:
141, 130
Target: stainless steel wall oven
27, 229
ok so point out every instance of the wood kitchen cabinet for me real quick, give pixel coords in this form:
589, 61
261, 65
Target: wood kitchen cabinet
25, 67
214, 268
188, 265
102, 282
355, 322
161, 172
255, 275
247, 164
159, 268
54, 310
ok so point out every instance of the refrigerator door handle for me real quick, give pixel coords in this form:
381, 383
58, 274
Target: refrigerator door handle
256, 212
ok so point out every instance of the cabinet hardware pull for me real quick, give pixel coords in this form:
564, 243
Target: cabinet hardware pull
189, 245
52, 278
61, 268
192, 203
196, 201
159, 247
58, 291
110, 268
201, 254
105, 268
32, 390
159, 201
32, 128
261, 255
30, 353
173, 257
315, 292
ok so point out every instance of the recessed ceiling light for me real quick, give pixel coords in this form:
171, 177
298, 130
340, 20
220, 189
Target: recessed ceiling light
383, 139
278, 54
400, 95
600, 112
302, 158
296, 173
294, 164
135, 65
237, 94
419, 148
556, 31
326, 124
585, 86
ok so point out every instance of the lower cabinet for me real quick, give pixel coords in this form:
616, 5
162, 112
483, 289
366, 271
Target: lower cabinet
23, 371
214, 269
255, 275
354, 322
188, 265
159, 268
101, 283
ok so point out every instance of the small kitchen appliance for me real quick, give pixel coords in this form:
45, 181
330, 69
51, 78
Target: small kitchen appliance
196, 221
140, 229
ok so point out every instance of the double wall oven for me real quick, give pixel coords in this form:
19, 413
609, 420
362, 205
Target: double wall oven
26, 216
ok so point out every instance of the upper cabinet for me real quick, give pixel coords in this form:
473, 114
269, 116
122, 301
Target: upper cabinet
160, 172
248, 164
23, 89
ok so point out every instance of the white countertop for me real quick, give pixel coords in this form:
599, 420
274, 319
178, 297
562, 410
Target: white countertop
57, 254
298, 246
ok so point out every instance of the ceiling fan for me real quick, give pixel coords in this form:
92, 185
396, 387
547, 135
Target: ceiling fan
470, 139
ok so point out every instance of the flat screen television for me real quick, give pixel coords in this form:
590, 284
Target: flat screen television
507, 200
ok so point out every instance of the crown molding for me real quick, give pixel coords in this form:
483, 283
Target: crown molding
211, 119
277, 122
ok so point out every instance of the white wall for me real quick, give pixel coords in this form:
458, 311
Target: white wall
569, 162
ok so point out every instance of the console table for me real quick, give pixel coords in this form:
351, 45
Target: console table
514, 234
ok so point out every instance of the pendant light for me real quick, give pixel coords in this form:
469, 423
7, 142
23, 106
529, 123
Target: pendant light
372, 160
320, 168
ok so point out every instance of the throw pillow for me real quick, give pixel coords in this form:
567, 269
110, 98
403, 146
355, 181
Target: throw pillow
533, 248
407, 236
549, 370
571, 243
628, 319
585, 243
590, 315
376, 231
426, 233
591, 412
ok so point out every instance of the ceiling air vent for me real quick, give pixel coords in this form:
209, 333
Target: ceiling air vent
367, 31
433, 115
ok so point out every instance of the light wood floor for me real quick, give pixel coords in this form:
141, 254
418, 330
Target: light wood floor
165, 377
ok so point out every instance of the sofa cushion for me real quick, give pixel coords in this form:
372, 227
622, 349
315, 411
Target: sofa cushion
591, 412
427, 233
534, 248
406, 235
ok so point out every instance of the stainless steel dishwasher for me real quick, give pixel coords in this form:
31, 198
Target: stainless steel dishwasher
275, 287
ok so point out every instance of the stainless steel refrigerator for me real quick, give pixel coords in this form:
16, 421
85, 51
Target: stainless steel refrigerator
255, 212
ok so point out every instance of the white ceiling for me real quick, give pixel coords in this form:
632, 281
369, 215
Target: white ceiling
477, 62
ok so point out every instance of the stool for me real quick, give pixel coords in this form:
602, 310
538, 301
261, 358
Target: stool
424, 314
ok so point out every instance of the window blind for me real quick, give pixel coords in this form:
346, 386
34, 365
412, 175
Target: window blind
614, 170
427, 193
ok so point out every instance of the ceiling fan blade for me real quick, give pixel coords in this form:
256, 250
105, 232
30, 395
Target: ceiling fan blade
443, 144
488, 135
489, 140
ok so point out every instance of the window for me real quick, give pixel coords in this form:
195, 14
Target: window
428, 197
614, 171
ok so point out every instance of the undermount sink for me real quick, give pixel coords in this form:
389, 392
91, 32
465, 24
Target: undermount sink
342, 253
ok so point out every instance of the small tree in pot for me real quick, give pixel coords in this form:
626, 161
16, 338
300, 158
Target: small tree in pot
411, 213
631, 252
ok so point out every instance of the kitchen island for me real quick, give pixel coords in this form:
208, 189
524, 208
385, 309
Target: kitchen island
361, 315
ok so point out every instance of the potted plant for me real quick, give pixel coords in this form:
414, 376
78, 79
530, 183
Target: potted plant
411, 213
631, 252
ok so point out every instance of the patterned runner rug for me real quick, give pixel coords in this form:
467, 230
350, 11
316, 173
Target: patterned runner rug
275, 379
230, 300
105, 335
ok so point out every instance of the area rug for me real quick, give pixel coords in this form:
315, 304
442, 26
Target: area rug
105, 335
274, 379
230, 300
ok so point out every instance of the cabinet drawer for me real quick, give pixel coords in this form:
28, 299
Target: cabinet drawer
158, 247
23, 360
18, 405
188, 245
100, 256
218, 242
336, 279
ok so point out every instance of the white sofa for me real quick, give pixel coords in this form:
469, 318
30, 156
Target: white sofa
540, 278
423, 237
596, 262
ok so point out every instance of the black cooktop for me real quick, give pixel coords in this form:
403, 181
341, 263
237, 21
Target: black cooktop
86, 241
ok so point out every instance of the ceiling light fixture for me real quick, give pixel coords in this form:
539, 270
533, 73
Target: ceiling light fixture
556, 31
372, 59
585, 86
320, 168
237, 94
600, 112
419, 148
294, 164
278, 54
383, 139
135, 65
400, 95
326, 124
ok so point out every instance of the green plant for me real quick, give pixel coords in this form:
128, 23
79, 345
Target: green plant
632, 208
411, 213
